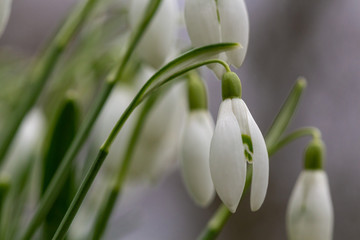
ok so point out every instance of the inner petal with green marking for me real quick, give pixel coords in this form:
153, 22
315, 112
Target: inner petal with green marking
248, 147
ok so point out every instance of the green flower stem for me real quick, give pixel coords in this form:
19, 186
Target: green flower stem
80, 195
286, 112
86, 183
42, 71
302, 132
109, 203
222, 215
61, 174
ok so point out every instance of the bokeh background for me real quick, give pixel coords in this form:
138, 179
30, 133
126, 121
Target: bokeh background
319, 40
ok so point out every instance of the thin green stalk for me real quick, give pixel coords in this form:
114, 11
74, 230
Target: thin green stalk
61, 174
222, 215
86, 183
302, 132
286, 112
109, 203
42, 71
80, 195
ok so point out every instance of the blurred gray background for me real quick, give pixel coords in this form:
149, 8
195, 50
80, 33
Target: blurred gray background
319, 40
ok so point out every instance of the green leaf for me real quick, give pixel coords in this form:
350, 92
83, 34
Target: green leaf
60, 136
286, 113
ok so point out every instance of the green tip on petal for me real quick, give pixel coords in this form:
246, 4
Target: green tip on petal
314, 155
231, 86
196, 92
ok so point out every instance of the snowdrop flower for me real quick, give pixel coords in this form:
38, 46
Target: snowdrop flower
237, 141
196, 146
158, 144
5, 8
118, 101
26, 144
159, 39
210, 21
310, 212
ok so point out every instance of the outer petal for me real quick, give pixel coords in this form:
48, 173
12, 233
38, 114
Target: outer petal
5, 8
310, 210
159, 39
227, 161
260, 164
234, 23
202, 22
195, 151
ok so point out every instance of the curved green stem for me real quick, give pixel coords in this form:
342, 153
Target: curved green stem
86, 183
302, 132
110, 200
42, 71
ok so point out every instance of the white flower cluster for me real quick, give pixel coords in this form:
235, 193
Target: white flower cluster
225, 155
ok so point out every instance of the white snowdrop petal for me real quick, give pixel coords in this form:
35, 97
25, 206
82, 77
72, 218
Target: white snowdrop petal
5, 8
227, 161
202, 22
234, 23
260, 164
195, 157
159, 39
310, 212
240, 111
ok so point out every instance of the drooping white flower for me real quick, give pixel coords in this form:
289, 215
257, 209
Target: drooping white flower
310, 211
159, 139
195, 157
118, 101
159, 39
26, 144
210, 21
5, 8
237, 141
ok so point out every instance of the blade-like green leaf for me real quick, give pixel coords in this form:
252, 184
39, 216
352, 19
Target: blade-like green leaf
58, 141
285, 114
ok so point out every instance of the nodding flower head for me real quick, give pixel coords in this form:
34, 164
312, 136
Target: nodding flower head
237, 143
310, 212
196, 140
215, 21
158, 42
